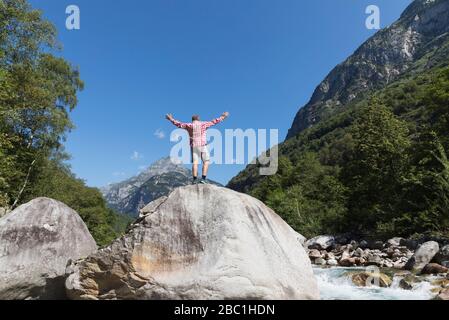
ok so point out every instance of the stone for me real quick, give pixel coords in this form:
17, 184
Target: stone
394, 242
376, 245
405, 285
367, 279
354, 244
409, 243
320, 242
442, 282
329, 255
422, 256
343, 238
332, 262
202, 243
444, 294
442, 255
408, 281
320, 262
363, 244
345, 254
152, 207
359, 253
347, 262
434, 268
37, 241
374, 260
314, 254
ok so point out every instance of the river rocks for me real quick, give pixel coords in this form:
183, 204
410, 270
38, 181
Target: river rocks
374, 260
444, 294
394, 242
202, 242
364, 279
347, 262
359, 253
320, 242
314, 254
442, 257
353, 253
403, 284
377, 245
409, 244
408, 281
332, 262
422, 256
434, 268
37, 240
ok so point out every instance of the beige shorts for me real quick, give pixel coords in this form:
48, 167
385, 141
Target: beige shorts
200, 153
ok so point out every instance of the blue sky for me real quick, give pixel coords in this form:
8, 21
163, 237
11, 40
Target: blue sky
258, 59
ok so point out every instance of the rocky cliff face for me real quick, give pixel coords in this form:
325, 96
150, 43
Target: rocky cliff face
200, 242
37, 240
417, 40
159, 179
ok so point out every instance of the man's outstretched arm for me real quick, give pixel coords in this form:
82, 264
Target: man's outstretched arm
218, 120
177, 123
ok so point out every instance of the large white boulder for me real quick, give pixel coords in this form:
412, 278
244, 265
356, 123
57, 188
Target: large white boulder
422, 256
37, 240
201, 242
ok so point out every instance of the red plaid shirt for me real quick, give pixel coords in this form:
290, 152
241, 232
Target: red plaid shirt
197, 130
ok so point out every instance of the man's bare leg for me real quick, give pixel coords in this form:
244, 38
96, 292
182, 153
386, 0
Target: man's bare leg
205, 168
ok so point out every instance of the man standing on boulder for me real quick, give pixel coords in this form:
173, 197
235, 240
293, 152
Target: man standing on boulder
198, 144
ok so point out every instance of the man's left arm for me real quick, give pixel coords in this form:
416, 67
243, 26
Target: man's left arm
217, 120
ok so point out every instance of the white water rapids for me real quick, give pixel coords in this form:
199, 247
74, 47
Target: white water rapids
335, 285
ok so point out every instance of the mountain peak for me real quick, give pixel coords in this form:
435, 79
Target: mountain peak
389, 54
417, 6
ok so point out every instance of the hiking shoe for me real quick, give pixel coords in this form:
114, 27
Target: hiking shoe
194, 182
203, 181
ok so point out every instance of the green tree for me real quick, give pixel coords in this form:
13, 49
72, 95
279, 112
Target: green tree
436, 98
374, 173
39, 91
310, 198
426, 193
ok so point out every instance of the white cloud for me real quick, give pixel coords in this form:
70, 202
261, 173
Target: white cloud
159, 134
136, 156
118, 174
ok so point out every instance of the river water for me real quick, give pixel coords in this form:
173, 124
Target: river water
335, 284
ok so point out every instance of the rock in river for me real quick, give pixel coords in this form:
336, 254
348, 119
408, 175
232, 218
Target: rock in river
422, 256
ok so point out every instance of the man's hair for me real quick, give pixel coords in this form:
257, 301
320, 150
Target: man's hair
195, 117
